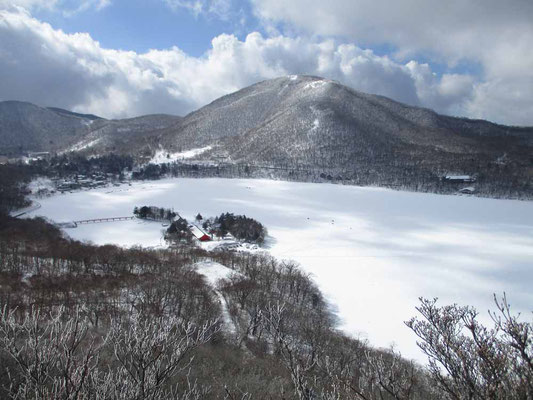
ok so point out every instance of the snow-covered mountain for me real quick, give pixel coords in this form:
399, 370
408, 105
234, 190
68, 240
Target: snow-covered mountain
27, 127
314, 123
291, 113
296, 122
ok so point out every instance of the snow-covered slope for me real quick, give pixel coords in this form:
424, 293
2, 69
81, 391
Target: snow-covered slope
321, 126
26, 127
162, 156
125, 136
284, 114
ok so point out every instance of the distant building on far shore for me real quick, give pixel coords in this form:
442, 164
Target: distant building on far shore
459, 178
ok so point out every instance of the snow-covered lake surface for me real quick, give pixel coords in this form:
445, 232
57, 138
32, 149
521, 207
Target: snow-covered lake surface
372, 251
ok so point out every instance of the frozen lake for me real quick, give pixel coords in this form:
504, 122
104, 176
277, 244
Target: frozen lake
372, 251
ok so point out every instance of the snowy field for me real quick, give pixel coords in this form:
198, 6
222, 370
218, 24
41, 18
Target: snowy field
372, 251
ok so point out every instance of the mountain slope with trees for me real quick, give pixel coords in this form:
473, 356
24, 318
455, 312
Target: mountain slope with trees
313, 129
319, 127
25, 127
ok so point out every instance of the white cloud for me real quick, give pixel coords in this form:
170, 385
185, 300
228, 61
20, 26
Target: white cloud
85, 5
453, 29
49, 67
218, 8
494, 34
450, 92
194, 6
66, 7
505, 100
28, 4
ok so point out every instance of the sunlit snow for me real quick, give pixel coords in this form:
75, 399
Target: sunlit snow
84, 145
213, 273
163, 156
316, 84
372, 251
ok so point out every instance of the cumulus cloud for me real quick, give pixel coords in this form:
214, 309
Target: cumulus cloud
450, 92
452, 29
49, 67
503, 100
494, 34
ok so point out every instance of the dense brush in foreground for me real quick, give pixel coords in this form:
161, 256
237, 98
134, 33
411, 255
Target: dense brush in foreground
101, 322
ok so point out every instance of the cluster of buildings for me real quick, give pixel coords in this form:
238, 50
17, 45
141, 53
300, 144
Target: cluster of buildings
91, 181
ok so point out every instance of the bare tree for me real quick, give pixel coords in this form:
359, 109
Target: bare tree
299, 358
152, 350
54, 358
385, 374
470, 361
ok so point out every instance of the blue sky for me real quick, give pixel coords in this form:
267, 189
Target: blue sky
152, 24
125, 58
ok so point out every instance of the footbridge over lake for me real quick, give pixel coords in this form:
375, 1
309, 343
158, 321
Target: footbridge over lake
74, 224
98, 220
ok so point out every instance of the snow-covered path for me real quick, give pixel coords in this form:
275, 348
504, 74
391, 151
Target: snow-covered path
372, 251
213, 272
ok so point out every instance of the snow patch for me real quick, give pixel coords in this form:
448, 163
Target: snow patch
84, 145
316, 84
40, 184
214, 272
293, 77
219, 244
163, 156
27, 276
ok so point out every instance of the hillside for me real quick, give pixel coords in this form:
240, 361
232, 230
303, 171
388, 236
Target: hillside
25, 127
123, 136
302, 128
310, 127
